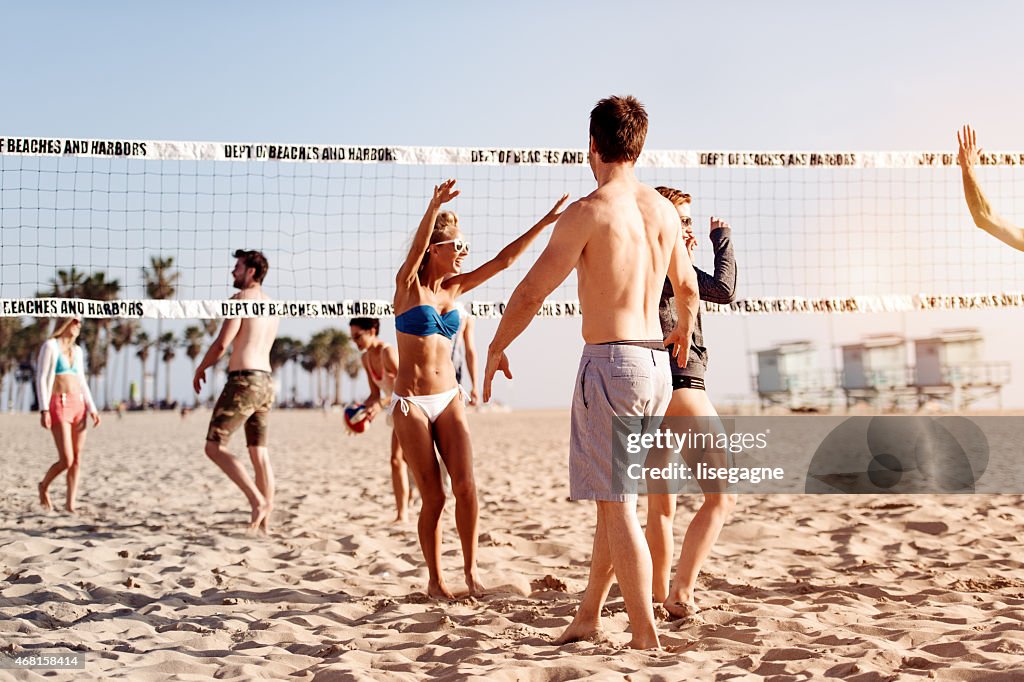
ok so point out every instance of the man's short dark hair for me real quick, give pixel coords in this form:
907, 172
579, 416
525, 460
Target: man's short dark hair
255, 260
370, 324
619, 128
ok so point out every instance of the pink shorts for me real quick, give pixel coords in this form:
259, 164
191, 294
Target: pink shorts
67, 407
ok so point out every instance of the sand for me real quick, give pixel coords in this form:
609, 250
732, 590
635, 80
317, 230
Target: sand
155, 577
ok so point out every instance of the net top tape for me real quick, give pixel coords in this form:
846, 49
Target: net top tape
489, 156
214, 309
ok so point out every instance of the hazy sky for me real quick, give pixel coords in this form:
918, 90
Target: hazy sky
740, 75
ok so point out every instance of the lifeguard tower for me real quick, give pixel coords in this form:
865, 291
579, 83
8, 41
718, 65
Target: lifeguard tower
788, 375
949, 367
875, 371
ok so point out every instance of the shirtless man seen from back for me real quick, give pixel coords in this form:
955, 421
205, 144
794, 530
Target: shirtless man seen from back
248, 393
622, 239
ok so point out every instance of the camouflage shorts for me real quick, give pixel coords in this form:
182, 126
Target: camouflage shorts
247, 398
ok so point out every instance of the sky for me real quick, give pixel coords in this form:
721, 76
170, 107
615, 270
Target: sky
738, 75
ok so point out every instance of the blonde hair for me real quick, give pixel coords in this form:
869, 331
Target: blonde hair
61, 326
445, 226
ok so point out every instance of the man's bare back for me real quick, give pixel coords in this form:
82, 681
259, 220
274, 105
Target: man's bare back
620, 284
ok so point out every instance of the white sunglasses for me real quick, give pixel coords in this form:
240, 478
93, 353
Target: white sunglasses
461, 245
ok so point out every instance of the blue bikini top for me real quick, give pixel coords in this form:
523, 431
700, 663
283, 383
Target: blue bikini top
424, 320
63, 366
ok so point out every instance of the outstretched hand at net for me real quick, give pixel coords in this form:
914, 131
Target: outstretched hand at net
978, 204
969, 153
445, 192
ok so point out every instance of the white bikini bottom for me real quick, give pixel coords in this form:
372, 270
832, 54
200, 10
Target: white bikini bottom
431, 405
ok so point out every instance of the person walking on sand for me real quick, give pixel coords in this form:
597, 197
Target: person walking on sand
248, 393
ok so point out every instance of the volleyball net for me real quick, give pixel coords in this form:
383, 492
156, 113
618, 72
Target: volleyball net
106, 228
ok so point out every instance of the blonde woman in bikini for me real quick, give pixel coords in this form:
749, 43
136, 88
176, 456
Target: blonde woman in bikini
426, 405
64, 402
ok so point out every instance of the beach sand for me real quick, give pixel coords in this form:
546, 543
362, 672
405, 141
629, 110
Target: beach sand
155, 577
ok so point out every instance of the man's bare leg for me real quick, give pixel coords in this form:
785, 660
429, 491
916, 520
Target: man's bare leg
632, 563
587, 622
230, 466
260, 457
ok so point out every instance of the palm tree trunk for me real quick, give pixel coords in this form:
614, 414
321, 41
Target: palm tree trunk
142, 385
168, 376
124, 367
108, 369
156, 365
295, 382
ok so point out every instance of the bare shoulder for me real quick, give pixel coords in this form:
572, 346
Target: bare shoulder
654, 204
646, 193
581, 212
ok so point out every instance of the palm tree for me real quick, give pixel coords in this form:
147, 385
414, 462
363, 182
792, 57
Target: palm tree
194, 346
25, 348
95, 355
161, 280
9, 328
316, 355
121, 336
142, 345
339, 347
168, 341
97, 345
67, 284
285, 349
353, 365
211, 326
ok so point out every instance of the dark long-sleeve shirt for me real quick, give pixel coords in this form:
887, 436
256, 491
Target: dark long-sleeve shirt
717, 288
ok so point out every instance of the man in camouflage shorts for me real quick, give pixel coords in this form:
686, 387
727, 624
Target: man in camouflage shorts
249, 391
246, 398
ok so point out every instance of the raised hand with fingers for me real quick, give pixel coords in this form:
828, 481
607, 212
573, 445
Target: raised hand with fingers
969, 153
445, 192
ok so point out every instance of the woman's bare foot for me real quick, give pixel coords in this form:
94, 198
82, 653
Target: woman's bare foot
44, 498
401, 518
581, 632
438, 590
69, 507
473, 583
681, 609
